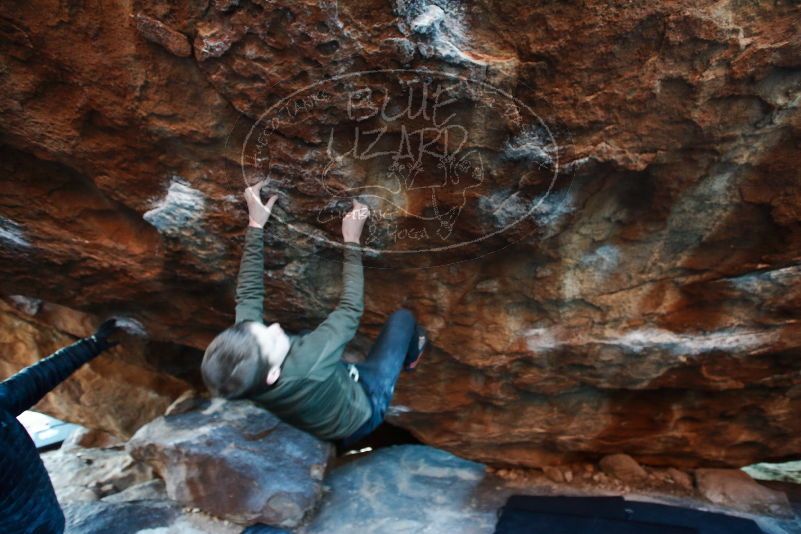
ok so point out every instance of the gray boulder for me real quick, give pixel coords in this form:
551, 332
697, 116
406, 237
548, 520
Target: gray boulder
236, 461
152, 490
404, 489
80, 474
152, 517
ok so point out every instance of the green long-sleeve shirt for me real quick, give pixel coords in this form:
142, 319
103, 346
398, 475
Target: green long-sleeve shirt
315, 392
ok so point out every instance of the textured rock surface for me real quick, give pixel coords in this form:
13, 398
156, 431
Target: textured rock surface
784, 472
103, 489
88, 438
622, 466
156, 517
729, 486
409, 481
236, 461
650, 308
152, 490
90, 474
408, 488
681, 478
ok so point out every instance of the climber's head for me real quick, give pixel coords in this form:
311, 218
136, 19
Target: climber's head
243, 356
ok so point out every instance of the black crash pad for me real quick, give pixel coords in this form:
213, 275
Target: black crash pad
526, 514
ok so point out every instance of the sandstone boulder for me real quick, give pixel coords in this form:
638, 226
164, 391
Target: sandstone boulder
235, 461
735, 487
88, 438
142, 516
407, 488
553, 473
680, 478
623, 467
90, 474
152, 490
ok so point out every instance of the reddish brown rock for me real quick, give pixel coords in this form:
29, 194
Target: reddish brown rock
650, 307
553, 473
91, 439
623, 467
681, 478
735, 487
157, 32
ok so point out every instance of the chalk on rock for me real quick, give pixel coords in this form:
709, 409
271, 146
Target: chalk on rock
428, 21
402, 49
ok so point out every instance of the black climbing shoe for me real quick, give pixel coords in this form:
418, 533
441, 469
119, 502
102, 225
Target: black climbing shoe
422, 342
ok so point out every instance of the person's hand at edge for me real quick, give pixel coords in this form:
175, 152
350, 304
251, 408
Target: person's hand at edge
258, 212
104, 332
353, 222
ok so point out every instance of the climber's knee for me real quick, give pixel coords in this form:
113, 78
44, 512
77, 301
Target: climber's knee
402, 314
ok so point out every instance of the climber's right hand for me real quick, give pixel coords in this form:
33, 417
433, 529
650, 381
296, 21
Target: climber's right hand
103, 336
353, 222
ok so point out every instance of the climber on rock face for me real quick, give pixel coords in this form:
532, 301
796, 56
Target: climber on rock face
302, 378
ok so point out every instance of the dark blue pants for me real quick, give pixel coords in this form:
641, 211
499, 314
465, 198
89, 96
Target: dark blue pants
396, 345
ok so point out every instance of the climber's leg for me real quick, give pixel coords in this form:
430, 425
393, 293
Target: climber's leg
396, 344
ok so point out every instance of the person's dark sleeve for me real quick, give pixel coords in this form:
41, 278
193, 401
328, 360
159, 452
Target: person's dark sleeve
250, 282
341, 324
23, 390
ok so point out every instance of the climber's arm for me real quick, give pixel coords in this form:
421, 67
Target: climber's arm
341, 324
250, 282
24, 389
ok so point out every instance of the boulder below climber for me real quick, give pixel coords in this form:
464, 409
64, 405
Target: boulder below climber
408, 488
235, 461
134, 517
